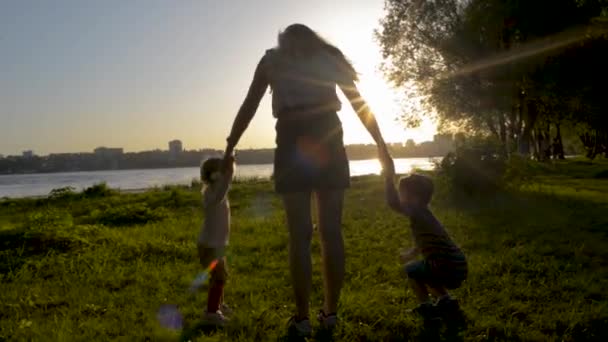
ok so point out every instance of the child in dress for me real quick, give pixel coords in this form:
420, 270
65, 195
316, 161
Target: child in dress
216, 176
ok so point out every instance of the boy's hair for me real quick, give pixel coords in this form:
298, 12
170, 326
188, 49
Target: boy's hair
208, 167
419, 186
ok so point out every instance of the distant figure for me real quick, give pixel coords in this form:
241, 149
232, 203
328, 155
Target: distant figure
303, 72
216, 176
443, 265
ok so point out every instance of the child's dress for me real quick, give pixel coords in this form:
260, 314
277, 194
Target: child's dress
215, 230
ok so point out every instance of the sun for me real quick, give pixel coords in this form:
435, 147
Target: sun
383, 99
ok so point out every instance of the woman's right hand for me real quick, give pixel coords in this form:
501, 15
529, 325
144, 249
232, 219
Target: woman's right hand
388, 166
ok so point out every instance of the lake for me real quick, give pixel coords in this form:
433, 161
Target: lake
41, 184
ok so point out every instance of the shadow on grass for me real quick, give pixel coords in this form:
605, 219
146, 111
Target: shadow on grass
436, 330
190, 333
17, 246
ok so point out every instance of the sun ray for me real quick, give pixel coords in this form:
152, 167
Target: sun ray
383, 100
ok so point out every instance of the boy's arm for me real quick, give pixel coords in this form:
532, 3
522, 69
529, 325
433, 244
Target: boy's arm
392, 198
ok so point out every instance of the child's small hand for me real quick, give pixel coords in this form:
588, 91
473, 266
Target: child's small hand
229, 164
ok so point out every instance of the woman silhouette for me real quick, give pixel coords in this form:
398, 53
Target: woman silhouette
303, 72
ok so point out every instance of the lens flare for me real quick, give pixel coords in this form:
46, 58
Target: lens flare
169, 317
202, 278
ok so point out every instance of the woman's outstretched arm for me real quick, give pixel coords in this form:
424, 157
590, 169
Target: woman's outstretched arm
257, 89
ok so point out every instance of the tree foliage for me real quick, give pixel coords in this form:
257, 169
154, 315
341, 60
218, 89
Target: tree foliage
514, 69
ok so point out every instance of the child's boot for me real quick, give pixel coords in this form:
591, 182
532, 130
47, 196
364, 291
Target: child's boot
450, 312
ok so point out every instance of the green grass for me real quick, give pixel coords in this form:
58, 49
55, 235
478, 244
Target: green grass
98, 266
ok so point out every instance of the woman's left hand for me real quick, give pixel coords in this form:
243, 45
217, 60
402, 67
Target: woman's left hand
385, 159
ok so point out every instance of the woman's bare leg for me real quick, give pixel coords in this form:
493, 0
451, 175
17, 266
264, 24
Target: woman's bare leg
329, 209
297, 209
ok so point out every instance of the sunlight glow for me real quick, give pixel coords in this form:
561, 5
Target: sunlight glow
381, 97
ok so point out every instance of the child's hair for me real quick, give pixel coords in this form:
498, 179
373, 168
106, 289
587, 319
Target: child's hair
418, 186
209, 167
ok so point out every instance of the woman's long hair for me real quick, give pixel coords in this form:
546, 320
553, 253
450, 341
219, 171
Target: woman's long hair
299, 40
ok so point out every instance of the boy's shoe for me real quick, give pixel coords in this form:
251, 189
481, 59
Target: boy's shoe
447, 305
327, 322
450, 311
300, 328
427, 311
215, 319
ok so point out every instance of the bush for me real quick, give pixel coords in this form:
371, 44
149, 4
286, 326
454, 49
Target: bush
62, 193
98, 190
519, 169
475, 168
48, 219
130, 214
601, 175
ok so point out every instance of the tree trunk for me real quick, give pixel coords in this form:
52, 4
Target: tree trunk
503, 133
543, 144
547, 140
529, 122
534, 143
558, 146
589, 141
492, 128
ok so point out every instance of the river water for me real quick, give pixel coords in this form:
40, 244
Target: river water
41, 184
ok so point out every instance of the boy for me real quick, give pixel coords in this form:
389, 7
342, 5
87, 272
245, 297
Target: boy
216, 176
443, 265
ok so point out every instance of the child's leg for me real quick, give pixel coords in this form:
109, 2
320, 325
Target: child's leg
439, 292
420, 290
216, 286
417, 274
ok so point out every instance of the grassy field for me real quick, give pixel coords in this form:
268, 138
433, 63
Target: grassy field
99, 265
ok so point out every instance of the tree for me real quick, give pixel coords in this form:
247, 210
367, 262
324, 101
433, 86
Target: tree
488, 65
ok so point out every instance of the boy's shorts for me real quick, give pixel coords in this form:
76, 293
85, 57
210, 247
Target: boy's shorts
207, 255
439, 273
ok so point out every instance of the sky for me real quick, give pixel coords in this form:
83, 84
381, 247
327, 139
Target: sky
78, 74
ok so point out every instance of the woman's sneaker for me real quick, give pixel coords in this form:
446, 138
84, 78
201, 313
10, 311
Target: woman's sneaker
301, 328
225, 309
327, 322
216, 319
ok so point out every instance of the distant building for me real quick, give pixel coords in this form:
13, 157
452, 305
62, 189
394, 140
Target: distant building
110, 157
175, 149
444, 142
28, 154
410, 144
108, 153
